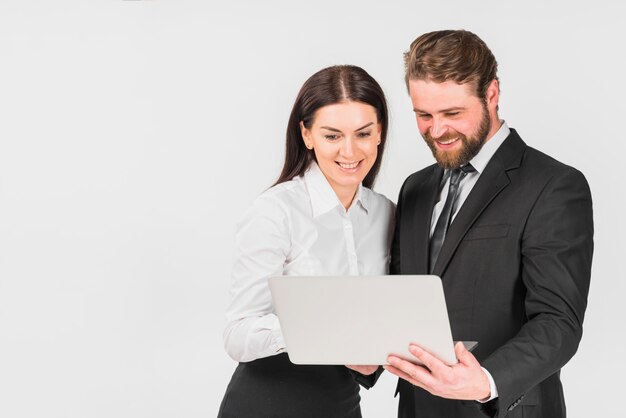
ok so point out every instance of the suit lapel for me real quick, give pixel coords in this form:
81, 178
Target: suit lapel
490, 183
419, 216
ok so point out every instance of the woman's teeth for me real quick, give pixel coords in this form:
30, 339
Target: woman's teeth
348, 166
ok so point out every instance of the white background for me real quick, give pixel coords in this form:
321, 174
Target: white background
133, 135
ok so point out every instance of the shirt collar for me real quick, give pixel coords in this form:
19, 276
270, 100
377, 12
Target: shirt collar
480, 161
322, 195
360, 198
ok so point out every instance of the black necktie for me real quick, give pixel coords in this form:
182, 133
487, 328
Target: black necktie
439, 234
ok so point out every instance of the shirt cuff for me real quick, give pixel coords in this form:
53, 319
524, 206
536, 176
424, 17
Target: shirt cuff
278, 343
492, 388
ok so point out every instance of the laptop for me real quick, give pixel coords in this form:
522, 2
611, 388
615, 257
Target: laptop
360, 320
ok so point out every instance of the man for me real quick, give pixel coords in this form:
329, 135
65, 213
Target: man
511, 239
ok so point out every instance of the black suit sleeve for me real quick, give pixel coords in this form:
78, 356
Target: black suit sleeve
557, 248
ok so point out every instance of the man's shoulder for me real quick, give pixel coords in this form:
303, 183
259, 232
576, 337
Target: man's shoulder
420, 176
534, 163
535, 170
417, 183
542, 165
541, 158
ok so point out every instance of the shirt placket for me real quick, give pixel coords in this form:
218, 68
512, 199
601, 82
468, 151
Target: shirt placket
348, 232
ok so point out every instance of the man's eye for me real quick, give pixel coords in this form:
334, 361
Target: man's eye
452, 114
424, 117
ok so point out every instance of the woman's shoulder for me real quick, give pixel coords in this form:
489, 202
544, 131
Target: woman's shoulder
378, 201
279, 197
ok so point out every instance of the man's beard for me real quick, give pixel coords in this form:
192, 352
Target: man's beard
469, 146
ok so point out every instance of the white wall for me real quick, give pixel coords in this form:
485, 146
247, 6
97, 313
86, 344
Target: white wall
133, 134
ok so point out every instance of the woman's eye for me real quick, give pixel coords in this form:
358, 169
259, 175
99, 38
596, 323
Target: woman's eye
364, 134
331, 137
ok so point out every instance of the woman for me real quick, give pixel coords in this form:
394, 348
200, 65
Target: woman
319, 218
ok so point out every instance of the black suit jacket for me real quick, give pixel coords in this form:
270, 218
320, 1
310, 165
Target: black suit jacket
515, 267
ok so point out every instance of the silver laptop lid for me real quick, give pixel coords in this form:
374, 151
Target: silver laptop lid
361, 319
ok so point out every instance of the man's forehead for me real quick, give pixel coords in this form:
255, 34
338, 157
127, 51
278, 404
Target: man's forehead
428, 95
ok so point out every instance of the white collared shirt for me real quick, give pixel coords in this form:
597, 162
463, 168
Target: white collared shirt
479, 162
299, 228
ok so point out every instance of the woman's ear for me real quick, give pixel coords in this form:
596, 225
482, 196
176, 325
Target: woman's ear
306, 136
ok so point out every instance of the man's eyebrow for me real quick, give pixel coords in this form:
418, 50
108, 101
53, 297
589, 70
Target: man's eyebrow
450, 109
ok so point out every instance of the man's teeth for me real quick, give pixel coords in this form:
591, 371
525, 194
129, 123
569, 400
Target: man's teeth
448, 141
351, 165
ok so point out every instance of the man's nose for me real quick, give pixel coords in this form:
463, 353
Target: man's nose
437, 128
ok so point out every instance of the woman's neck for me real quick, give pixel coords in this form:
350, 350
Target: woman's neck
346, 196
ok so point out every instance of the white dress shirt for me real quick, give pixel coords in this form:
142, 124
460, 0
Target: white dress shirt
479, 162
299, 228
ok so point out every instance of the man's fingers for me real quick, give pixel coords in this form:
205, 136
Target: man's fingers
465, 380
415, 372
404, 376
464, 356
436, 366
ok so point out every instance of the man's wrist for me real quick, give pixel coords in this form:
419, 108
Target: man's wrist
493, 391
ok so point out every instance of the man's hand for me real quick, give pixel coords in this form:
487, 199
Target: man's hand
364, 370
465, 380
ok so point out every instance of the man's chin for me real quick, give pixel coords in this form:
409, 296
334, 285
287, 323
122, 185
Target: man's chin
447, 160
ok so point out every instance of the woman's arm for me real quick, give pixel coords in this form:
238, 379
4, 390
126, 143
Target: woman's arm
262, 243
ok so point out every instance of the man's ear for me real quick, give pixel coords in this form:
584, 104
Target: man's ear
492, 95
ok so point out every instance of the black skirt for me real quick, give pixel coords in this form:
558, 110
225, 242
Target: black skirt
273, 387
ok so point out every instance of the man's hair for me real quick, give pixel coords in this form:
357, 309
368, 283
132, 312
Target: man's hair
456, 55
